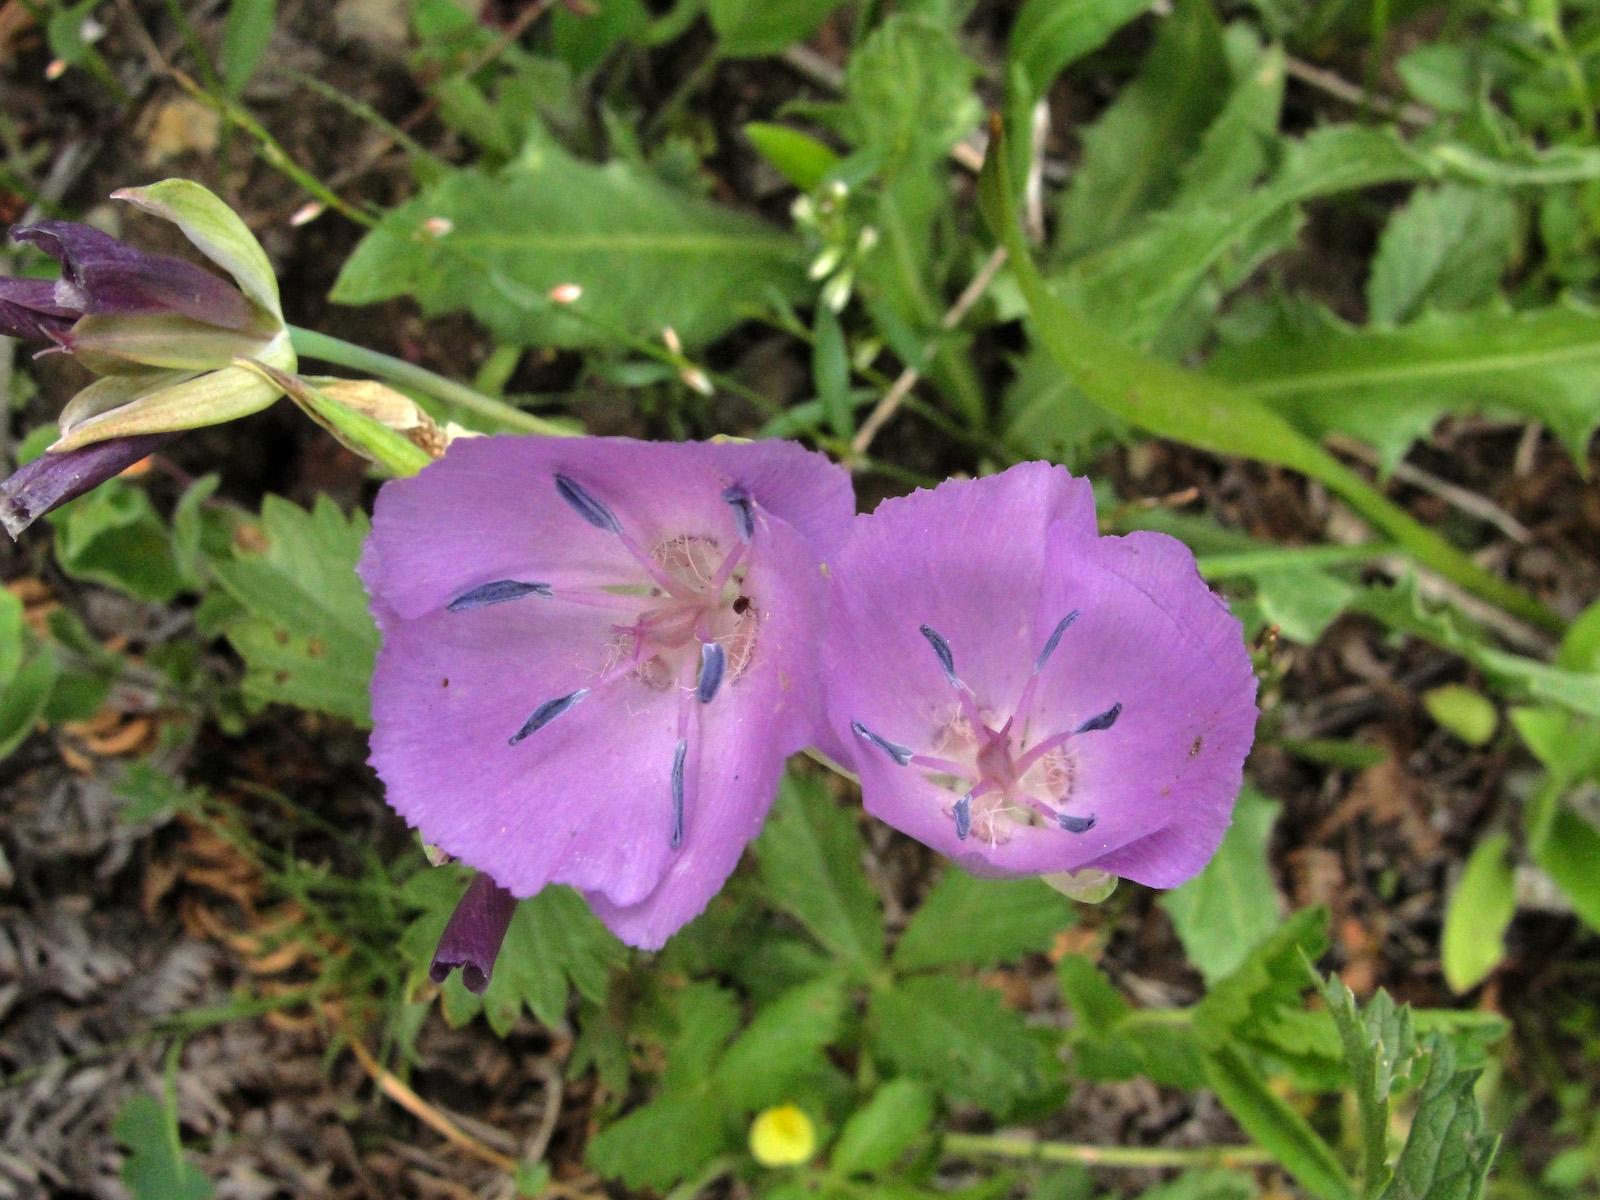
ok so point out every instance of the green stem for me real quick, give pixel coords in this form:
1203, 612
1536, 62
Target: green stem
1002, 1146
341, 353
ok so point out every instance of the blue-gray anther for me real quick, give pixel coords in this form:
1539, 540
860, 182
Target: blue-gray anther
678, 756
942, 649
497, 592
547, 712
963, 815
586, 506
1055, 640
1075, 824
713, 662
1104, 721
743, 514
900, 754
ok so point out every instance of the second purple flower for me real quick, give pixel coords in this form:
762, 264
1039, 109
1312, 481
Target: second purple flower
597, 654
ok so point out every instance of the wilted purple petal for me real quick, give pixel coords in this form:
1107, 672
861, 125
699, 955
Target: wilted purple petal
1062, 700
28, 310
472, 938
50, 480
562, 738
100, 274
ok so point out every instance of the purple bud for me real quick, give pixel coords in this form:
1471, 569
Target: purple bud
100, 274
472, 938
28, 310
50, 480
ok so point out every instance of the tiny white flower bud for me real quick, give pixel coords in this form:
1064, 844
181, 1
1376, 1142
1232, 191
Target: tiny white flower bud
438, 226
307, 213
823, 265
867, 240
669, 336
566, 293
695, 379
836, 292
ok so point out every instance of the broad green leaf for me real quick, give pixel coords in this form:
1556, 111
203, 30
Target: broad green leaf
661, 1143
1580, 649
1447, 248
245, 35
959, 1037
1302, 603
783, 1043
1113, 1040
155, 1168
909, 92
1198, 410
583, 39
1390, 386
306, 636
1447, 1153
113, 536
981, 922
1378, 1045
645, 255
706, 1014
1230, 907
751, 27
1237, 146
885, 1127
1133, 153
810, 867
1048, 36
1480, 909
1269, 1119
1464, 711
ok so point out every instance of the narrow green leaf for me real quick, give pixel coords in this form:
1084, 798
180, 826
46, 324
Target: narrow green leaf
1378, 1045
1048, 36
1268, 1119
810, 867
1198, 410
23, 699
1480, 909
830, 372
245, 35
1568, 852
1231, 906
798, 157
975, 922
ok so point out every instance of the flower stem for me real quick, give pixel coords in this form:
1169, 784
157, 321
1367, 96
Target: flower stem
358, 358
1002, 1146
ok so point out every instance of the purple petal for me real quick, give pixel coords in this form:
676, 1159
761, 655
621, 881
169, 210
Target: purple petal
472, 938
50, 480
100, 274
586, 798
28, 310
1145, 793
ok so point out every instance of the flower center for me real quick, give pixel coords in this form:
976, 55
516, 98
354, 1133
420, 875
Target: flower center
999, 779
707, 606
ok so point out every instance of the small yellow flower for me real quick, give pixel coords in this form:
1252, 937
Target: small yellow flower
783, 1136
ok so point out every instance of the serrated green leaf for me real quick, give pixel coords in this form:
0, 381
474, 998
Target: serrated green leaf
752, 27
981, 922
1230, 907
783, 1043
306, 636
1247, 1002
155, 1168
909, 92
1481, 906
1268, 1119
958, 1036
1390, 386
1446, 248
1378, 1043
810, 867
645, 255
1236, 148
884, 1128
1447, 1154
1133, 153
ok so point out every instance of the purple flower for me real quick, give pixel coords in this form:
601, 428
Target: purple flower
597, 654
1027, 697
